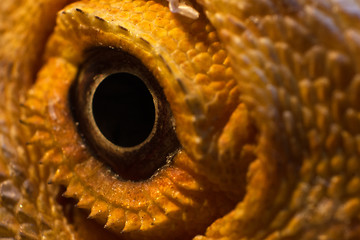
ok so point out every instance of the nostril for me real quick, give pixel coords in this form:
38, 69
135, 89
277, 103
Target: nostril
123, 109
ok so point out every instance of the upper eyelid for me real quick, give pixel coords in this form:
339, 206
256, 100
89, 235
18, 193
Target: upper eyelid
149, 35
78, 17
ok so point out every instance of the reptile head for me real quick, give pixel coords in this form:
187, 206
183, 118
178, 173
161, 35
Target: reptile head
228, 119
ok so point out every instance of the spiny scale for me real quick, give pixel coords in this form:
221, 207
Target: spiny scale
146, 221
99, 211
52, 157
86, 201
167, 205
62, 175
33, 107
35, 122
132, 221
116, 220
41, 138
157, 214
74, 190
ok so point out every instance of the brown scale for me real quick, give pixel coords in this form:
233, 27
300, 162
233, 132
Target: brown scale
254, 125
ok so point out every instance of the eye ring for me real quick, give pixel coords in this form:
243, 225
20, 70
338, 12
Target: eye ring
138, 161
100, 132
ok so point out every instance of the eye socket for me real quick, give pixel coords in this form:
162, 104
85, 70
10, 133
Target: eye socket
123, 114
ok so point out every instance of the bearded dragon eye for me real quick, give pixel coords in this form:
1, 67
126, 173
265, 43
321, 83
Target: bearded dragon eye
123, 114
103, 113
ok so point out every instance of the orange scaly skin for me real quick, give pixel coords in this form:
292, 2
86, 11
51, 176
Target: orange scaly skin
266, 100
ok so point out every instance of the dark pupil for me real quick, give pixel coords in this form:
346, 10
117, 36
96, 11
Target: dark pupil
123, 109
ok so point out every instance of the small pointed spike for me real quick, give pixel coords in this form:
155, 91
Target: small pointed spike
157, 214
167, 205
116, 220
187, 182
42, 138
178, 196
86, 201
132, 222
33, 94
34, 121
74, 189
147, 221
52, 156
33, 106
99, 211
62, 175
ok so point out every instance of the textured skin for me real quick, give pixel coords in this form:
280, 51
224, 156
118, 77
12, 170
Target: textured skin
265, 96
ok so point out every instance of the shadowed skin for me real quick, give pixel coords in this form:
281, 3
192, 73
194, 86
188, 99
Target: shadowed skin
265, 97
